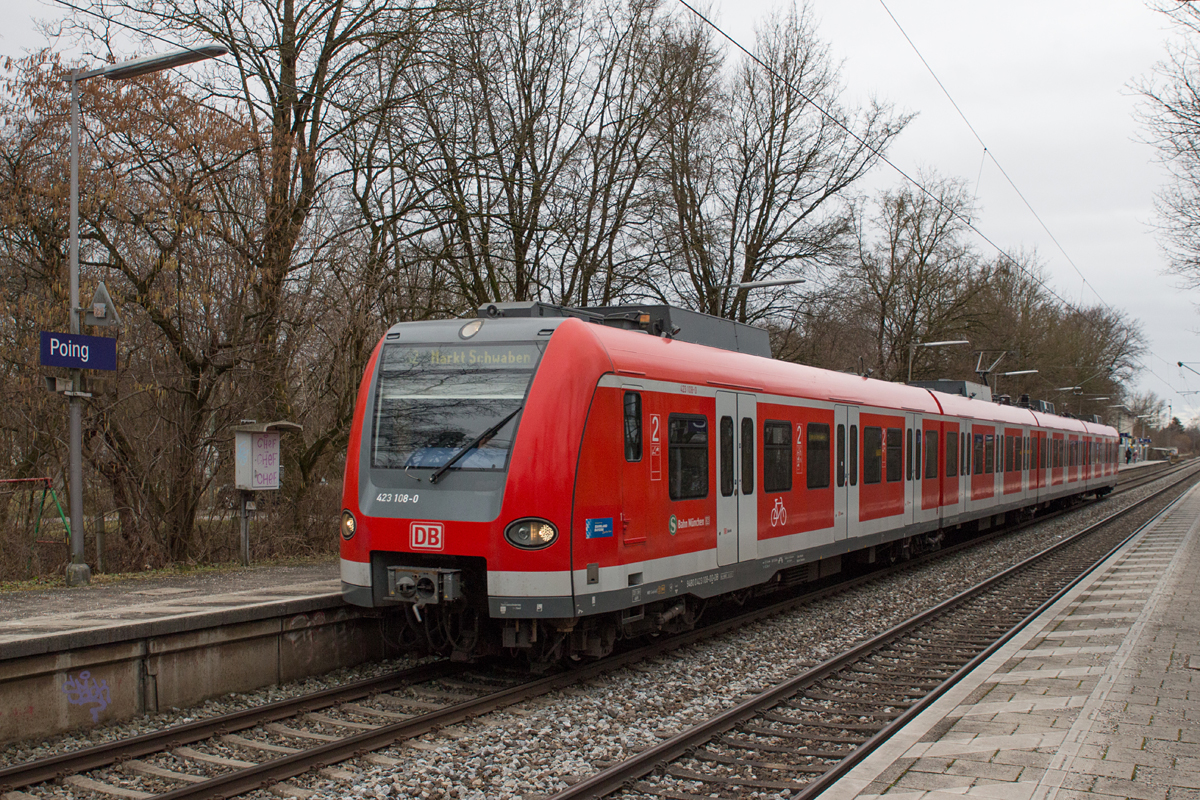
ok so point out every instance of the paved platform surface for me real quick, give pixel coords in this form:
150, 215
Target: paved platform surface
49, 620
1098, 698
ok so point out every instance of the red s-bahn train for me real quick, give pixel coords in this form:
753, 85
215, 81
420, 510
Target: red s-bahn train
549, 480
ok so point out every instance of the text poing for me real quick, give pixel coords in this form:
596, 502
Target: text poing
66, 349
76, 351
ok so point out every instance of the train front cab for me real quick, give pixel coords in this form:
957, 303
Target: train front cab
430, 531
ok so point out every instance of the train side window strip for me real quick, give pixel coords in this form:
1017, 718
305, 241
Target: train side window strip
841, 455
964, 439
777, 456
726, 442
872, 454
818, 453
747, 455
633, 426
917, 450
895, 454
951, 454
854, 455
908, 456
687, 456
931, 454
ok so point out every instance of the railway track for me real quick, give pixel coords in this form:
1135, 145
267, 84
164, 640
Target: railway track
803, 734
264, 747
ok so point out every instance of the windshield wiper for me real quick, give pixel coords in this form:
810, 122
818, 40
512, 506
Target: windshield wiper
471, 445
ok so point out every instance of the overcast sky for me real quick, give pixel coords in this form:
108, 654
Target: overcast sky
1046, 84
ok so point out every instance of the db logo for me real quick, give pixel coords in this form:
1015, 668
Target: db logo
427, 536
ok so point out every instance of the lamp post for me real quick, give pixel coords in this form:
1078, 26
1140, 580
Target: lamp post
912, 350
78, 572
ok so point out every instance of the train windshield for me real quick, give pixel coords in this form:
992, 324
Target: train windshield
432, 400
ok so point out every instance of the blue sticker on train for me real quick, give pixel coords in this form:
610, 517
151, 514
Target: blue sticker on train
600, 528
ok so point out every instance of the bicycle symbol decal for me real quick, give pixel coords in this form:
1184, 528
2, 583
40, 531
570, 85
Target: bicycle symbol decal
778, 513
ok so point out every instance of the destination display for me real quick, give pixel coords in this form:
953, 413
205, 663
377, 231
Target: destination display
76, 351
520, 356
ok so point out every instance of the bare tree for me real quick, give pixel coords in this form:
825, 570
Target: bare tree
914, 278
765, 204
1171, 114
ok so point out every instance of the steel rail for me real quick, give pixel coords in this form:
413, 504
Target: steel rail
843, 767
618, 775
103, 755
99, 756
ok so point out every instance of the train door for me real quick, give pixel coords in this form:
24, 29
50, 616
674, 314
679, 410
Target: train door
912, 467
845, 492
932, 470
1042, 467
737, 489
951, 468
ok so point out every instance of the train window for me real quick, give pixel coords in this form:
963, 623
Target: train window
917, 456
817, 453
951, 454
965, 440
989, 454
726, 444
633, 426
931, 454
777, 456
854, 455
687, 456
841, 455
432, 400
747, 455
1009, 447
872, 455
1019, 454
895, 453
908, 457
977, 456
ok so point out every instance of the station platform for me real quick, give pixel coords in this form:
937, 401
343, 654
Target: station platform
1097, 698
61, 618
82, 656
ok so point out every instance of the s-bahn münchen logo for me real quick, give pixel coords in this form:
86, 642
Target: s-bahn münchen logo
427, 536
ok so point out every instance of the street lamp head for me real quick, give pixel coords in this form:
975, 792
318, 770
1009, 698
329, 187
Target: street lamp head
1020, 372
147, 64
762, 284
912, 351
1067, 388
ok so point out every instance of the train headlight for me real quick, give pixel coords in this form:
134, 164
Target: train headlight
530, 534
349, 525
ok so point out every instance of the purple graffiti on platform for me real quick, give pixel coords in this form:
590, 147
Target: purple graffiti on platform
84, 690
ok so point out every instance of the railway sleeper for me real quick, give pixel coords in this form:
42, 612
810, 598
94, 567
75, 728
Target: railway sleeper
730, 780
739, 744
721, 758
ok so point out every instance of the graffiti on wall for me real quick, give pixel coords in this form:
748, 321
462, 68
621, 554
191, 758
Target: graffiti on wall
86, 690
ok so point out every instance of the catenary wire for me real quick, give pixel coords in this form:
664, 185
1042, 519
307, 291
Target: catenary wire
969, 223
883, 158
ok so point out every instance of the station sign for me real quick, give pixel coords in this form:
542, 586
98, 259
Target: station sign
76, 351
